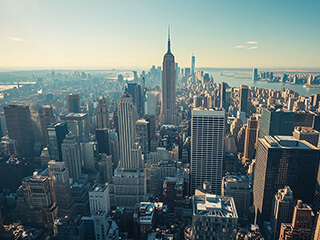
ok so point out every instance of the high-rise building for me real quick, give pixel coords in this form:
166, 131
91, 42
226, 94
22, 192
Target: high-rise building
244, 93
173, 195
152, 102
74, 103
71, 155
56, 134
142, 135
39, 206
127, 132
78, 124
282, 210
20, 128
102, 137
99, 199
129, 187
168, 101
46, 118
59, 175
238, 187
283, 161
207, 148
187, 73
158, 173
308, 134
302, 223
129, 182
274, 123
151, 125
193, 64
209, 212
89, 155
137, 94
251, 139
80, 195
255, 75
224, 103
102, 113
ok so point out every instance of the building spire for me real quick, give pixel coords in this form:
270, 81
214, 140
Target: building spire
169, 43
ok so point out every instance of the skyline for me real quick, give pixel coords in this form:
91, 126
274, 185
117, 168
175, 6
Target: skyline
106, 34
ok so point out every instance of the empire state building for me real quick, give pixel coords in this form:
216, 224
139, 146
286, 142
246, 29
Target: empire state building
168, 104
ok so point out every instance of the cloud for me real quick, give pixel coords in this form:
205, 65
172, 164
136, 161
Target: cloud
252, 42
240, 46
251, 48
16, 39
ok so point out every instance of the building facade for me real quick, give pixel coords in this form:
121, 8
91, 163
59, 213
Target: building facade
207, 148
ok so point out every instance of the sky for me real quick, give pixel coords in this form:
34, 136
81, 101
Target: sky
133, 33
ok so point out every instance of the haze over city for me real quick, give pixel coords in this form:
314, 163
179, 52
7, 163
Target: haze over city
113, 34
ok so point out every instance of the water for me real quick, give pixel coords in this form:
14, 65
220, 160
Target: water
237, 77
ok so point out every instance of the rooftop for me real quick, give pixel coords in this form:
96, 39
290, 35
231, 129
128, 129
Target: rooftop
99, 188
73, 116
214, 206
287, 142
236, 178
208, 112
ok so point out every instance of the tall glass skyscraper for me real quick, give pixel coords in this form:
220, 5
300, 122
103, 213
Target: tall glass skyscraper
207, 144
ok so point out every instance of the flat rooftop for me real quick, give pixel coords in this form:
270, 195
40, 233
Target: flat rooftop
287, 142
208, 112
99, 188
214, 206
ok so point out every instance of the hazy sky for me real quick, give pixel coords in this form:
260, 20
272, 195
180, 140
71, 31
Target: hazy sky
120, 33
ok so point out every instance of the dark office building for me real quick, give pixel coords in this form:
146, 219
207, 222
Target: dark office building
244, 92
134, 89
102, 137
283, 161
274, 123
20, 128
56, 134
224, 103
74, 103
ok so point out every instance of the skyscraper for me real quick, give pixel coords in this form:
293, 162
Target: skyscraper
56, 134
59, 175
207, 144
168, 103
102, 137
71, 155
224, 103
136, 92
102, 113
74, 103
238, 187
20, 128
209, 212
193, 64
244, 92
301, 226
39, 206
255, 75
142, 135
129, 177
275, 123
282, 210
127, 130
251, 139
283, 161
78, 124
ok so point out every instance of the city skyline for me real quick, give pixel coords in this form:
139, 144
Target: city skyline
39, 34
